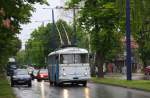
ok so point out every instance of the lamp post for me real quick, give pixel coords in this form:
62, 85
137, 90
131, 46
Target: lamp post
128, 41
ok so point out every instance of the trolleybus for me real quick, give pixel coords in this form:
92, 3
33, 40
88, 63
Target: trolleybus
69, 65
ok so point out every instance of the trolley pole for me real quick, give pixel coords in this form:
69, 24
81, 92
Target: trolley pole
128, 41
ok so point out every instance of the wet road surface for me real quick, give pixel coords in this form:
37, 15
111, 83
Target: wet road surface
44, 90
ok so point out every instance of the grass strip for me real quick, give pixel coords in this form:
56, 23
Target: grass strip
5, 89
134, 84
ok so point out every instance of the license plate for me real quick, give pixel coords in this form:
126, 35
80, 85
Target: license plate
75, 78
21, 81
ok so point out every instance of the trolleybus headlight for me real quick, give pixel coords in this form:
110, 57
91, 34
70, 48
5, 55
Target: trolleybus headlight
64, 74
85, 73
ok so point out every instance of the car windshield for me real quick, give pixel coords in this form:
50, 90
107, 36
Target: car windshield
13, 66
21, 72
35, 72
73, 58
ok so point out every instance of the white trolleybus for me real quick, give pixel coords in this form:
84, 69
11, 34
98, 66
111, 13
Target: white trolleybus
69, 65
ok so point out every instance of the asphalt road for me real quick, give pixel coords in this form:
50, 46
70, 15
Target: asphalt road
44, 90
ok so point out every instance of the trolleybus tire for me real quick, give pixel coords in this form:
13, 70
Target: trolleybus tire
55, 83
51, 82
84, 83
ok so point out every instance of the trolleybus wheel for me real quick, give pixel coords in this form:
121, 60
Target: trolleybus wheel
51, 83
84, 83
55, 83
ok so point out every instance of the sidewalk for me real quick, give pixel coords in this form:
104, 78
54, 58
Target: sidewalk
135, 76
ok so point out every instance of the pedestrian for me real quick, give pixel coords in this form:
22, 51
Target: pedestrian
124, 70
114, 68
110, 67
104, 68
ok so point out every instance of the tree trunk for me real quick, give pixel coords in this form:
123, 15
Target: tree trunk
1, 70
99, 62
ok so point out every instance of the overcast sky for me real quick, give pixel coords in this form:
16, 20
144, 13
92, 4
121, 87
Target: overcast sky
42, 16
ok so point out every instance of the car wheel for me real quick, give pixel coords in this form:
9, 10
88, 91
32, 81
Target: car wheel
7, 74
33, 78
12, 83
38, 80
56, 84
29, 84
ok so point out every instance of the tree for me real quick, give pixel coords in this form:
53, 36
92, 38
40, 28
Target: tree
12, 14
41, 42
141, 28
140, 25
100, 19
10, 49
20, 57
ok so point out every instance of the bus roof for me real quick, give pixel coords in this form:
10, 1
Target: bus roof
69, 50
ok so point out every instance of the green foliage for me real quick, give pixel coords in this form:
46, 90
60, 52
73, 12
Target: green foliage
109, 15
41, 42
83, 39
140, 27
140, 24
100, 18
20, 58
12, 14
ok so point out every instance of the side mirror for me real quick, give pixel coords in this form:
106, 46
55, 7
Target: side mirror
90, 56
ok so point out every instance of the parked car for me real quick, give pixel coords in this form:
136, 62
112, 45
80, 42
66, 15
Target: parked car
30, 69
42, 75
21, 77
147, 70
34, 74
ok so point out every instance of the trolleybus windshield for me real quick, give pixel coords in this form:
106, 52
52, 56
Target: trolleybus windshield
73, 58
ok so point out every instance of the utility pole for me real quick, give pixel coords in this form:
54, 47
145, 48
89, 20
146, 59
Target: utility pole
74, 41
53, 36
128, 41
